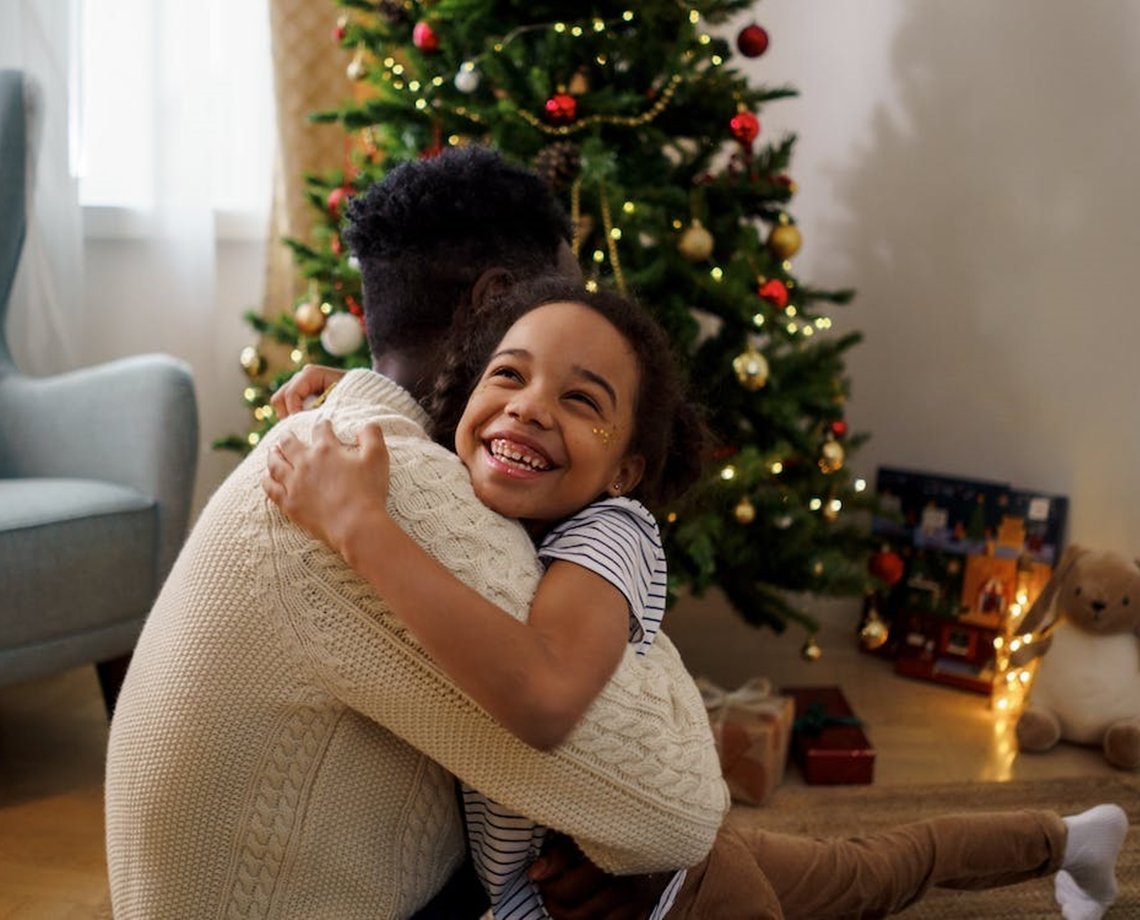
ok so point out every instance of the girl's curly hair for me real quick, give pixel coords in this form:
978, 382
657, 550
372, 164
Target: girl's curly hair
669, 431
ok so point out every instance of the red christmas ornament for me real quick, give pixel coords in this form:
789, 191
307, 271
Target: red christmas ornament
752, 41
838, 428
561, 109
775, 292
353, 306
745, 127
887, 566
424, 37
337, 198
335, 244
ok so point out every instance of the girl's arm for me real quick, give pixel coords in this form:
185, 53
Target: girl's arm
536, 678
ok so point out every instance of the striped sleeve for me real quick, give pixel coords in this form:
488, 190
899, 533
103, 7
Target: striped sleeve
617, 539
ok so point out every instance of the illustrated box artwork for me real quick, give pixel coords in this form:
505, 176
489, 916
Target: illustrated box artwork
974, 555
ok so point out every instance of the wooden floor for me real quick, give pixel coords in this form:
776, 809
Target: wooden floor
53, 735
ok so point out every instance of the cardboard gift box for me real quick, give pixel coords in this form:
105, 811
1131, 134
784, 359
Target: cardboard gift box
828, 742
752, 727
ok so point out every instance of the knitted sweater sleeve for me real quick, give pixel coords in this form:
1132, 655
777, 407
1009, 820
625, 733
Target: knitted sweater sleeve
637, 784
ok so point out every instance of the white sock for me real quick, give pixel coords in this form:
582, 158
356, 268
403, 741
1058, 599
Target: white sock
1086, 884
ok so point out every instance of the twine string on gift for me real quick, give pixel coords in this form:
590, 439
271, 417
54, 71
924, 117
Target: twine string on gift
815, 719
753, 696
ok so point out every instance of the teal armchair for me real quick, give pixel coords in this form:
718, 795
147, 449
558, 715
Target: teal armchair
96, 475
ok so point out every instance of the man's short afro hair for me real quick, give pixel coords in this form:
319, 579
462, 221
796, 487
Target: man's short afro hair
425, 233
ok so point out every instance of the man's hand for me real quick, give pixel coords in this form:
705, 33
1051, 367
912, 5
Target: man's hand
304, 389
573, 888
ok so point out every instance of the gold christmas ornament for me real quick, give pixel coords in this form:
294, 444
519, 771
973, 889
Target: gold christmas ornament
874, 632
745, 511
579, 83
252, 361
751, 369
831, 456
784, 240
811, 650
696, 243
309, 318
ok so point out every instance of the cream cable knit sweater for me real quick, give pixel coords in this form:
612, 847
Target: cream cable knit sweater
256, 767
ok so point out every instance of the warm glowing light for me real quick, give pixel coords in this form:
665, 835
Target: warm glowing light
253, 438
694, 16
629, 207
815, 504
777, 468
729, 472
758, 319
615, 233
297, 355
717, 273
791, 309
599, 256
860, 485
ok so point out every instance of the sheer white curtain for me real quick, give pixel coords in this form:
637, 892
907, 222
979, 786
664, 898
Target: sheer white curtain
177, 147
45, 315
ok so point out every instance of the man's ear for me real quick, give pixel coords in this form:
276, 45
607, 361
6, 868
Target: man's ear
628, 475
491, 283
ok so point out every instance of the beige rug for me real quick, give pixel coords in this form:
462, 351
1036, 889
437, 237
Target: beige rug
826, 810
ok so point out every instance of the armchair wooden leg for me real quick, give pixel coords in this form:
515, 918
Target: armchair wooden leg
111, 674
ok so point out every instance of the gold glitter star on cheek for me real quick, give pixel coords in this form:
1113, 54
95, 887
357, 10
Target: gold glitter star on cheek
606, 434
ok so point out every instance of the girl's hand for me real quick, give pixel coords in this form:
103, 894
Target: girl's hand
331, 489
304, 389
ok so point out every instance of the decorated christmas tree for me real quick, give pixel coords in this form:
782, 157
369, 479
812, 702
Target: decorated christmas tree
636, 116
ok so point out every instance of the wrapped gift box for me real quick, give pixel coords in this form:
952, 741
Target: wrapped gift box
752, 727
828, 742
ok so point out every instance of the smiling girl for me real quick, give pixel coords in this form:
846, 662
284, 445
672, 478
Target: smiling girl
567, 410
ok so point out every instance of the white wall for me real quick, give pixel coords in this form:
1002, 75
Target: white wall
970, 168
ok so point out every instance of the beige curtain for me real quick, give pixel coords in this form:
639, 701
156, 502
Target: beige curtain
309, 75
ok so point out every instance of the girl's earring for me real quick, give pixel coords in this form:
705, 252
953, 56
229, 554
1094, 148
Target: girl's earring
616, 488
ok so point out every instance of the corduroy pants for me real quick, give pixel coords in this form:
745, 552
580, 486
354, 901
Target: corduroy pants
753, 874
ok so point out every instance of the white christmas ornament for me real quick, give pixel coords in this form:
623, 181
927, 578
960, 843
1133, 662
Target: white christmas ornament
467, 78
342, 335
354, 263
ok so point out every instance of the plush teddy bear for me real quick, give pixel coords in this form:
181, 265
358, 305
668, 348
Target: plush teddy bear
1087, 686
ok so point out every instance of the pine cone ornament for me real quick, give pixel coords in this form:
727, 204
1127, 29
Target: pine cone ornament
559, 164
394, 12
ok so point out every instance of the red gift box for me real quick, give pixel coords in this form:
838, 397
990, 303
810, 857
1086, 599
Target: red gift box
752, 727
828, 742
